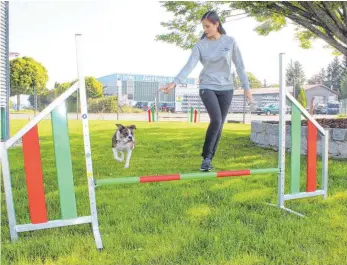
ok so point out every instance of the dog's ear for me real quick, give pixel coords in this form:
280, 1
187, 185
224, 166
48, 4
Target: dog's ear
120, 126
132, 127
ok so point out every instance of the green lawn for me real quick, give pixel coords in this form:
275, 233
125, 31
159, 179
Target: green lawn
221, 221
12, 111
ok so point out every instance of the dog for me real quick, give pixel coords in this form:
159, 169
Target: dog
123, 140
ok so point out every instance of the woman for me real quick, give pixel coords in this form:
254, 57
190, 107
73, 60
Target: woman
216, 51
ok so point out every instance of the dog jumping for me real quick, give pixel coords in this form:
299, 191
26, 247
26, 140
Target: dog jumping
123, 140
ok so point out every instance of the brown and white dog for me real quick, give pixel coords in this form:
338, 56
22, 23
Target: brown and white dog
123, 140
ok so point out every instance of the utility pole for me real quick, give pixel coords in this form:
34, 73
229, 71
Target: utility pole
119, 95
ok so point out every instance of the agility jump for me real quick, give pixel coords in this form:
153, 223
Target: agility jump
34, 178
33, 168
193, 115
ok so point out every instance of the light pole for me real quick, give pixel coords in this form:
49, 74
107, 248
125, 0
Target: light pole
119, 95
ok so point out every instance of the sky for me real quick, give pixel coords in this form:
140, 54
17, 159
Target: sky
119, 36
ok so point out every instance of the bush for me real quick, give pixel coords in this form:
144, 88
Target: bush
103, 105
129, 109
302, 98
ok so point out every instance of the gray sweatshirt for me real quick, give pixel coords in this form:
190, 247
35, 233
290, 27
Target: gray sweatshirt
216, 57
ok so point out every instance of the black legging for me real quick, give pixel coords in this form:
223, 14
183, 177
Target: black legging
217, 104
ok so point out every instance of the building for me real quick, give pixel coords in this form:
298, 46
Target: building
137, 87
261, 96
321, 93
144, 88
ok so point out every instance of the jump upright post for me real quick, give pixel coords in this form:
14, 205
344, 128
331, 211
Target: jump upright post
151, 114
314, 129
33, 167
193, 115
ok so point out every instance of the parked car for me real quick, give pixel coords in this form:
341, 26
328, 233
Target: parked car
144, 105
333, 108
141, 105
268, 109
320, 109
167, 107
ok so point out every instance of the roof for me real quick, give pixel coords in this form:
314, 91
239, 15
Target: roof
275, 90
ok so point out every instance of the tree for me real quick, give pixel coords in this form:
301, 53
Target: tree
44, 99
317, 78
319, 19
253, 81
343, 86
26, 76
302, 98
265, 84
94, 88
334, 75
344, 62
236, 81
295, 74
297, 89
62, 87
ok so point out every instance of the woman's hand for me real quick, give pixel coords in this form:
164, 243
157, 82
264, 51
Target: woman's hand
168, 87
249, 96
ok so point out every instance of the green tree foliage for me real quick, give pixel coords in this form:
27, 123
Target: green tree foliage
302, 99
43, 100
253, 81
94, 87
344, 62
60, 88
295, 73
317, 78
94, 91
319, 19
343, 87
334, 75
27, 75
102, 105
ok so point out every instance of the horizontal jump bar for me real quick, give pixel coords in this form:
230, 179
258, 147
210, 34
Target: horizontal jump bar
187, 176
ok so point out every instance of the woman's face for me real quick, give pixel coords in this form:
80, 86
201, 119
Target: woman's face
210, 29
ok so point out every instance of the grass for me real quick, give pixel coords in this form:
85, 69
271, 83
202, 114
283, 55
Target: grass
224, 221
12, 111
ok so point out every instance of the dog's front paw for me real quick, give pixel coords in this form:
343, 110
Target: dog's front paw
126, 166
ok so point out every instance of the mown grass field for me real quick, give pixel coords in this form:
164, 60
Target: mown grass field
221, 221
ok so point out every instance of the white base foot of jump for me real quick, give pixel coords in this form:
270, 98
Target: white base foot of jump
287, 209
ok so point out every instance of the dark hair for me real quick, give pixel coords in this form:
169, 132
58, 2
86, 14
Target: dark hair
213, 17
